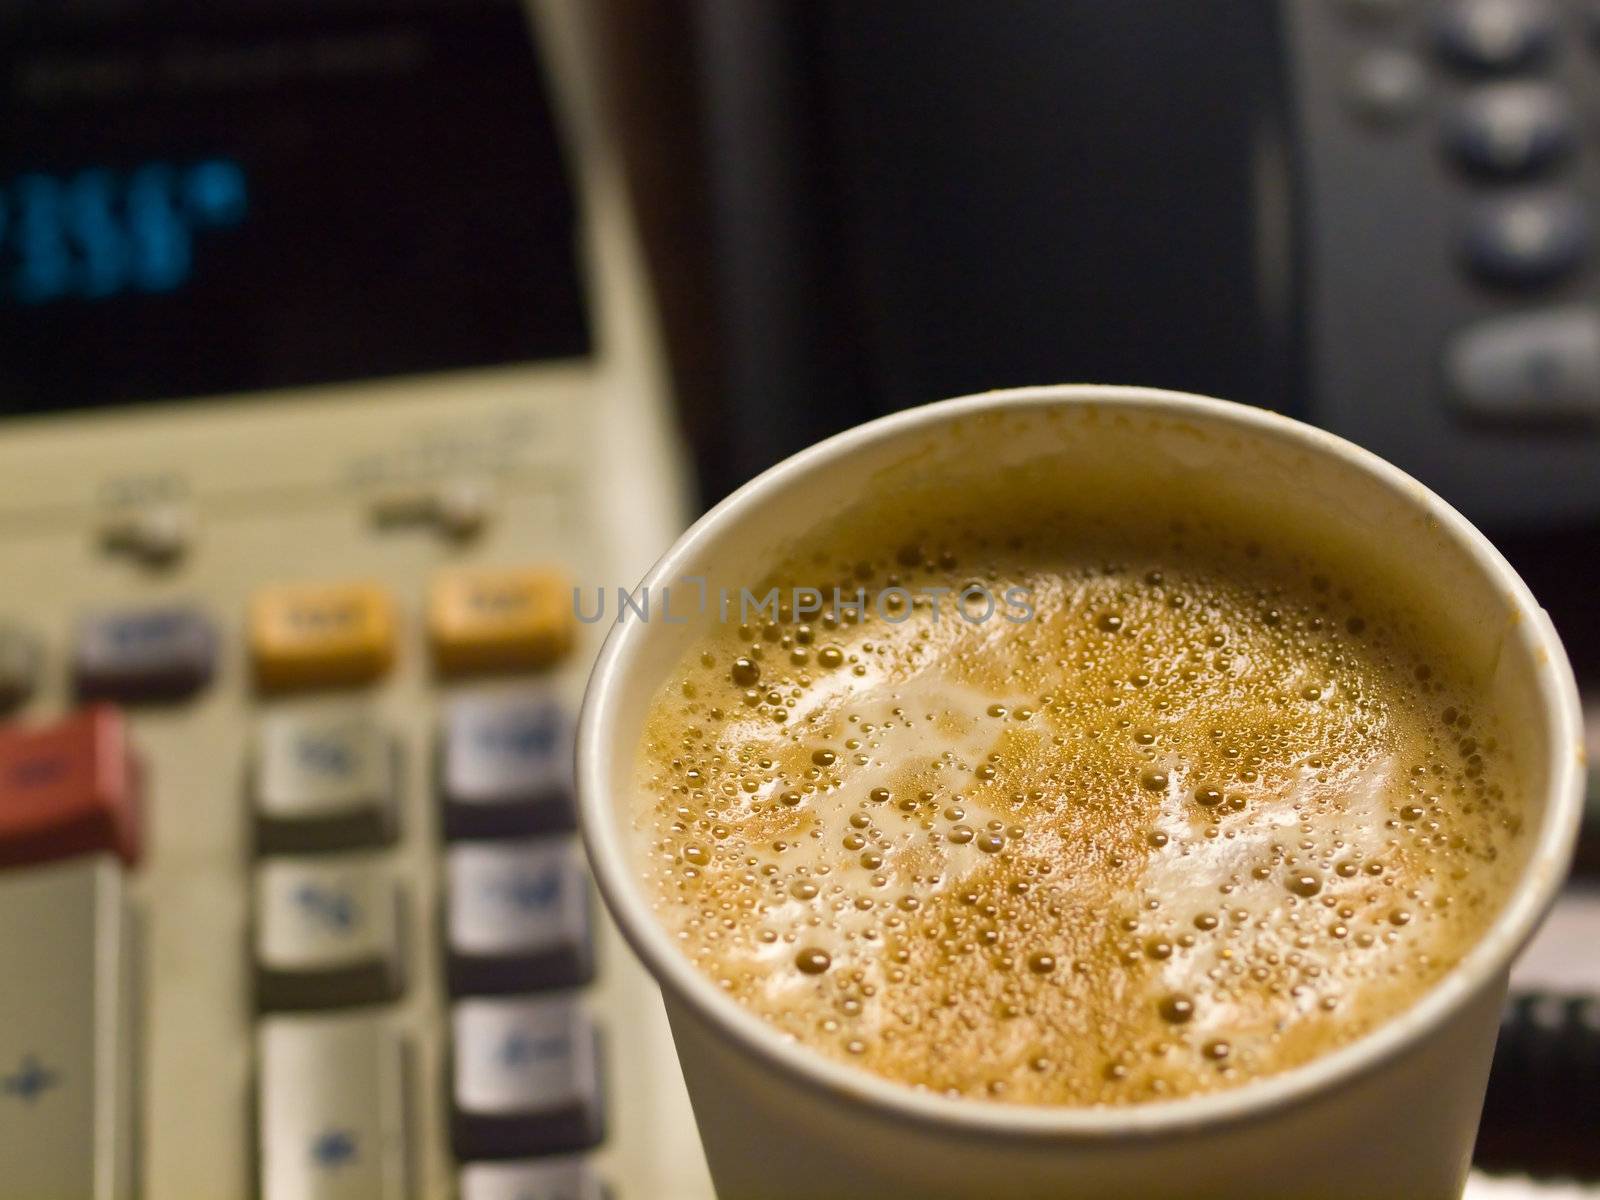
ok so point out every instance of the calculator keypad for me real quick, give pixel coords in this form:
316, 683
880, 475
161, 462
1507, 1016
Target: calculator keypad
515, 932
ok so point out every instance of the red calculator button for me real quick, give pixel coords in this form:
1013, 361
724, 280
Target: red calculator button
68, 788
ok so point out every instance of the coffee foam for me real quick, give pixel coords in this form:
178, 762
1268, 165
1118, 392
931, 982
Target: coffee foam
1210, 813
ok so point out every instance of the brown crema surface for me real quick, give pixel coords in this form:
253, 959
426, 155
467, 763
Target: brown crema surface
1211, 810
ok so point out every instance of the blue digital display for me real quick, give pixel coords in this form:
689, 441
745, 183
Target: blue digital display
100, 233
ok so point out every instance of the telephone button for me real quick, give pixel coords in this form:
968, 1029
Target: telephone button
1532, 368
1496, 35
1527, 240
1511, 129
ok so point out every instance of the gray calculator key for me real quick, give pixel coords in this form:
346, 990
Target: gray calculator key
1528, 239
568, 1177
66, 1033
1511, 129
328, 932
20, 656
507, 764
1530, 368
325, 777
526, 1078
331, 1108
160, 653
1496, 35
517, 917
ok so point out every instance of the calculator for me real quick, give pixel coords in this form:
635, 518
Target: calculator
291, 903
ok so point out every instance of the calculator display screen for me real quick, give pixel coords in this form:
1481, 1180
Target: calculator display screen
261, 197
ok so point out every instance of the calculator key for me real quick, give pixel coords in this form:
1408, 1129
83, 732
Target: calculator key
1496, 35
146, 654
20, 656
487, 619
331, 1108
66, 1033
526, 1078
1529, 368
1527, 240
1511, 129
321, 635
507, 765
517, 917
328, 932
568, 1177
325, 777
68, 788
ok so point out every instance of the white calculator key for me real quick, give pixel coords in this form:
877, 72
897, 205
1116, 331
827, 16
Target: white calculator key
566, 1178
325, 777
332, 1110
328, 931
507, 764
527, 1078
66, 1033
518, 917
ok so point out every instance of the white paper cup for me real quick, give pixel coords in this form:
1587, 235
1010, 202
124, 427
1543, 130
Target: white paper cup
1392, 1114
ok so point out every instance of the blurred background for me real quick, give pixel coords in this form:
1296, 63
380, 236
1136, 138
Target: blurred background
1374, 215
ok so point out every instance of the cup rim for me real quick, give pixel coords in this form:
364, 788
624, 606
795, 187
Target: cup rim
1530, 899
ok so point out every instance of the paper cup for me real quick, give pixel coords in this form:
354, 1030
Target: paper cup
1392, 1114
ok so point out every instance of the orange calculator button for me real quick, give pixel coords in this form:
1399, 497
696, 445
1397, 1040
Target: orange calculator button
499, 619
68, 788
321, 634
